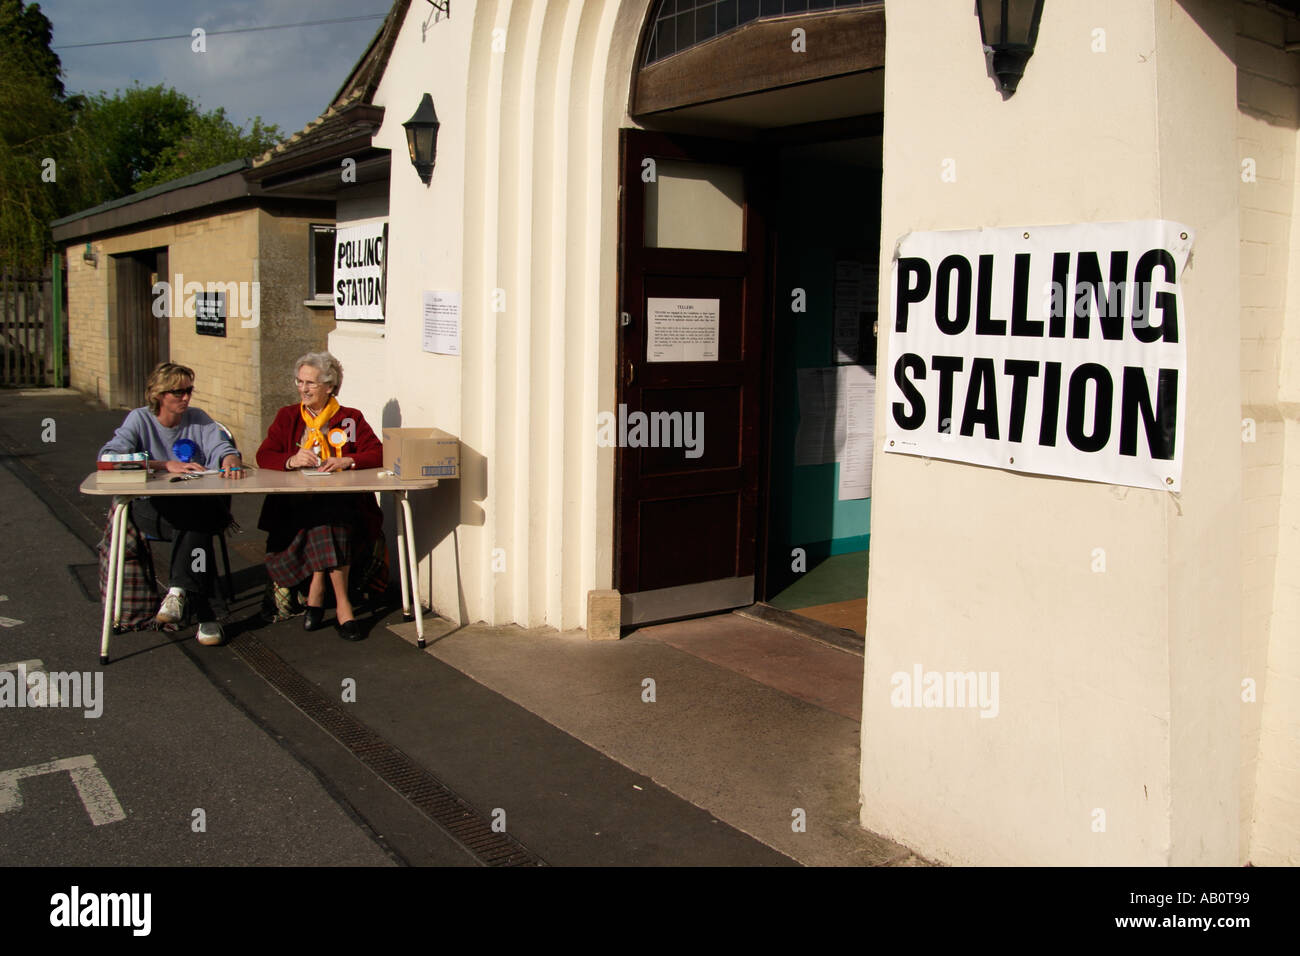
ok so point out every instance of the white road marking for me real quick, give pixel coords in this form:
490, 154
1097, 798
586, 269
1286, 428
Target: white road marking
30, 667
92, 787
9, 622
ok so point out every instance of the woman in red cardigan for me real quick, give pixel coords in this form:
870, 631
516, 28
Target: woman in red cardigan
316, 536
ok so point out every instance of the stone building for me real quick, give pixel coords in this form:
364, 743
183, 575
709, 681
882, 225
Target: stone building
203, 271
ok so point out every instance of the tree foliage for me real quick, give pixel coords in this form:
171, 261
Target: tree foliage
131, 129
60, 154
34, 127
210, 139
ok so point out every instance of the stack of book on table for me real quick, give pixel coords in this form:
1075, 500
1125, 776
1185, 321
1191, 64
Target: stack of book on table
131, 468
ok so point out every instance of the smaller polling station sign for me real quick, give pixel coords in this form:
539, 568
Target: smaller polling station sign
360, 271
1053, 350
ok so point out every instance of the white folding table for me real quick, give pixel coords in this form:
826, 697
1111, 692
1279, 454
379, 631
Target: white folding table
258, 481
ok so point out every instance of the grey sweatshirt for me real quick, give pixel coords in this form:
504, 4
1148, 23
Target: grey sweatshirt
141, 431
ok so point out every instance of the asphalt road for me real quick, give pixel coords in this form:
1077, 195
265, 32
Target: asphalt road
193, 779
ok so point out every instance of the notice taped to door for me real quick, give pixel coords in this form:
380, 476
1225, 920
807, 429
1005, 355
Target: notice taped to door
1056, 350
682, 330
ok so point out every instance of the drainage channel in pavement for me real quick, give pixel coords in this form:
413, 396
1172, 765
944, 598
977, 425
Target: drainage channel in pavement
407, 778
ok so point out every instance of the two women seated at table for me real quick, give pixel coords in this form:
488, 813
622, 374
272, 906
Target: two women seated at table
319, 537
179, 439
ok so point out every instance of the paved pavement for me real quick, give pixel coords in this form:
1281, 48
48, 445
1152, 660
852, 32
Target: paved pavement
546, 734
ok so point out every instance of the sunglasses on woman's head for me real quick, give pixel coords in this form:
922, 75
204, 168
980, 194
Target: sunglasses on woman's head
180, 392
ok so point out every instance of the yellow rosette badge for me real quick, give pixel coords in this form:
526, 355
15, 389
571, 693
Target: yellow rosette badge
337, 438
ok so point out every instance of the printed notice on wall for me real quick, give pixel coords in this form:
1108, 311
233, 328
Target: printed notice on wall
210, 313
682, 330
1055, 350
442, 322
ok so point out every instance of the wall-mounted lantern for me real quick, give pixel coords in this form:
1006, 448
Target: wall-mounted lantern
89, 256
422, 138
1009, 30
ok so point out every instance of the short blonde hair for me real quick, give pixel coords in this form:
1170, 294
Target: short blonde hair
164, 378
331, 371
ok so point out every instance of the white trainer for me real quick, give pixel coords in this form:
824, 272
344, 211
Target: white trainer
173, 608
210, 633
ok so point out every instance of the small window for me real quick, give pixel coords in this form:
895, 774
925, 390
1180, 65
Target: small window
321, 278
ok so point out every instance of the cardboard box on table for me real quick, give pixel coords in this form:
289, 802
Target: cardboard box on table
421, 453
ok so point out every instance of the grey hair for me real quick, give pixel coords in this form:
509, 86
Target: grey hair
331, 371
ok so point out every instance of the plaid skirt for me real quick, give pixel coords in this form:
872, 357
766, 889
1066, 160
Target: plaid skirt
316, 532
319, 548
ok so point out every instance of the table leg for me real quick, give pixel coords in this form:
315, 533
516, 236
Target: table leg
415, 583
123, 513
401, 559
113, 582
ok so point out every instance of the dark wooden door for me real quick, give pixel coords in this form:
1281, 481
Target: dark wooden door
141, 336
693, 303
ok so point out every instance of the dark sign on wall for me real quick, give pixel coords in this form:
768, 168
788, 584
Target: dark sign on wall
210, 313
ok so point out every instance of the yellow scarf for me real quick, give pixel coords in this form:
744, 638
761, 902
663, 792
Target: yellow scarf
314, 434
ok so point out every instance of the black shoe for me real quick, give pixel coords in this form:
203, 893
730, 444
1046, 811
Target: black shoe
349, 631
314, 619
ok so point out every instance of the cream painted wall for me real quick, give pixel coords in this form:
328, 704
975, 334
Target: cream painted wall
978, 569
521, 219
1268, 93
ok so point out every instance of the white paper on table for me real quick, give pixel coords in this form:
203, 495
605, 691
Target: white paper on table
441, 314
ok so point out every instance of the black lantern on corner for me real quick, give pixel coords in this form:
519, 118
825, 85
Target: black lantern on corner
1009, 29
422, 138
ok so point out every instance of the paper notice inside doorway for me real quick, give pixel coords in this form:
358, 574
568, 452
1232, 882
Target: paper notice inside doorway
441, 315
837, 408
814, 443
682, 330
857, 393
848, 308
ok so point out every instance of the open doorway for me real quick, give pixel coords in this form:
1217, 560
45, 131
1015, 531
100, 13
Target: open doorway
822, 386
753, 311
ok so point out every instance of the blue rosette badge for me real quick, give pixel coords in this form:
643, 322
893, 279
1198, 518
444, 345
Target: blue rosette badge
185, 450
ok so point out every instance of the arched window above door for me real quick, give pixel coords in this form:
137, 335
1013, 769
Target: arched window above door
678, 25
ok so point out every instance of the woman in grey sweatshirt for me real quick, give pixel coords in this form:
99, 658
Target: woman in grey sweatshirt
188, 522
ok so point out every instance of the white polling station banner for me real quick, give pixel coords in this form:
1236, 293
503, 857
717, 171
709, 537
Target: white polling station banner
1055, 350
360, 255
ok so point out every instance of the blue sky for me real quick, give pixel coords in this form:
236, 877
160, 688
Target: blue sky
285, 76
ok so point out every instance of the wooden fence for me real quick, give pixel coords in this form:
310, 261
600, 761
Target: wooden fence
27, 337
